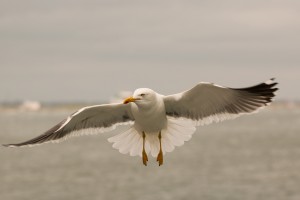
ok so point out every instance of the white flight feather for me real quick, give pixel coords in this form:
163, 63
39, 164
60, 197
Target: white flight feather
76, 133
177, 132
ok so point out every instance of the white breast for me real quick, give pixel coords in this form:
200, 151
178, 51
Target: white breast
151, 118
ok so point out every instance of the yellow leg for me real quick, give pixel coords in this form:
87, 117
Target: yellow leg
160, 156
144, 154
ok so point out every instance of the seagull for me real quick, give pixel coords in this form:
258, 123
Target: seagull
159, 123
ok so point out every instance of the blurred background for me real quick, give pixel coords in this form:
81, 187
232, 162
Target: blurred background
60, 55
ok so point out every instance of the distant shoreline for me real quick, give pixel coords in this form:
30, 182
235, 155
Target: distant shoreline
17, 107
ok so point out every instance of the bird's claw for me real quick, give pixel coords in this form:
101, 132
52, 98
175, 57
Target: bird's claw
160, 158
145, 158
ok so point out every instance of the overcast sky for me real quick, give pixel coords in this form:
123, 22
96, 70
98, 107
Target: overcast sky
68, 50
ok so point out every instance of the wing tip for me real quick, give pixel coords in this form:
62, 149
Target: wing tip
9, 145
271, 81
266, 88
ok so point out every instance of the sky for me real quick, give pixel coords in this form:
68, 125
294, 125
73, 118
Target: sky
88, 51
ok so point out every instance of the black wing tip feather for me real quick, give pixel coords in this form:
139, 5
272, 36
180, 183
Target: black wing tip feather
17, 144
265, 90
47, 136
13, 145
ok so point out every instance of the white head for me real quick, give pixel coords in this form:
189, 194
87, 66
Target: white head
142, 96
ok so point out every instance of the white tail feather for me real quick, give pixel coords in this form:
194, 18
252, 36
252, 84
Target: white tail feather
177, 132
127, 142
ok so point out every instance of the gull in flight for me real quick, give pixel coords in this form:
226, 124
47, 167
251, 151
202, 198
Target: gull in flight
158, 123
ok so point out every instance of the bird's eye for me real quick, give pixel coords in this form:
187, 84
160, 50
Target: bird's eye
143, 95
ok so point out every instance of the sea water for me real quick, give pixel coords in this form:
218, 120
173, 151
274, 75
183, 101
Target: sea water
255, 157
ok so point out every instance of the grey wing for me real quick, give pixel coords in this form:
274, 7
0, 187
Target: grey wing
207, 102
88, 120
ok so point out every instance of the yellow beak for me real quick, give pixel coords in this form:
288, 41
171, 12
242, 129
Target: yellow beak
130, 99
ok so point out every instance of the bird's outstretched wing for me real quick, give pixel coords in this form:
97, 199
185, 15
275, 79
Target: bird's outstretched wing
88, 120
206, 102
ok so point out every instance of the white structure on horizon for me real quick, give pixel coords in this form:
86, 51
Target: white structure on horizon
30, 106
118, 98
